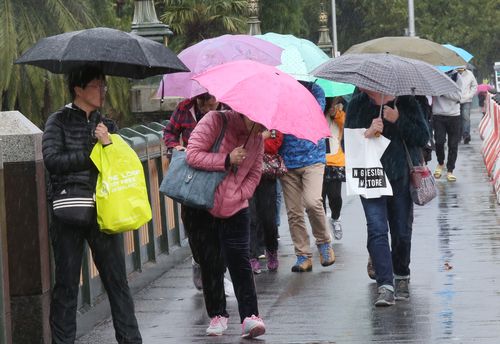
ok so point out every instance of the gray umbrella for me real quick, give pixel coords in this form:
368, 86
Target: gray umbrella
387, 74
410, 47
116, 52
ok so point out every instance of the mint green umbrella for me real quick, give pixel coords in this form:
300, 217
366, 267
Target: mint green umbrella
299, 57
335, 89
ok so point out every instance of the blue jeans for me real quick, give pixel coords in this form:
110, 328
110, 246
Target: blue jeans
465, 114
394, 214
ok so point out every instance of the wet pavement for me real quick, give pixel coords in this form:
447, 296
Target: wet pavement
455, 294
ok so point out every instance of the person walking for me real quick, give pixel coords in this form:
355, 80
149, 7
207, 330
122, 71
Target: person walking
263, 225
335, 164
468, 87
403, 122
69, 136
447, 125
176, 136
302, 187
219, 237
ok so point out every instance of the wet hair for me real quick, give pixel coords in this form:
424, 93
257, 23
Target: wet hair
81, 76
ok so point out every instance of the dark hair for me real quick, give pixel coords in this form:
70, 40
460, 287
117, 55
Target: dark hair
81, 76
204, 97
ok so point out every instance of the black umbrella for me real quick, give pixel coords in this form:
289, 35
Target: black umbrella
116, 52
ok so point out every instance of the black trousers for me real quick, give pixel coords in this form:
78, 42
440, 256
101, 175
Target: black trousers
263, 227
215, 244
450, 126
332, 189
108, 255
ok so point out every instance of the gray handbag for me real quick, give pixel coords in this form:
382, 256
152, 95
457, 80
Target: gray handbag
190, 186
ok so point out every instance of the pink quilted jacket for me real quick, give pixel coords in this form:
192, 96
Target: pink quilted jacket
233, 193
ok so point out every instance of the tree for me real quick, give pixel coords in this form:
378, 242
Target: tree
194, 20
468, 24
32, 90
471, 25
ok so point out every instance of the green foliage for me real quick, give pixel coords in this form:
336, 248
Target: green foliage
32, 90
194, 20
472, 25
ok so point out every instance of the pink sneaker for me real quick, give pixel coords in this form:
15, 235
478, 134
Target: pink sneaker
272, 260
254, 262
252, 327
218, 325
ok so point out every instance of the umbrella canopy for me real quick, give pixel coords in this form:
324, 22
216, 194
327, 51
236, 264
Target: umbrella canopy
300, 56
483, 88
387, 74
411, 47
462, 52
267, 96
334, 89
116, 52
212, 52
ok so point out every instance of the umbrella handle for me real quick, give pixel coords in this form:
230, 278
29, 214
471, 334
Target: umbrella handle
162, 99
377, 134
251, 130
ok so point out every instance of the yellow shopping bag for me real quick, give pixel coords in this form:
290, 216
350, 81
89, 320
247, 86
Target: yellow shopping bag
121, 194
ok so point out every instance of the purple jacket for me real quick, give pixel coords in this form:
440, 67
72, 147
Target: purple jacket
233, 193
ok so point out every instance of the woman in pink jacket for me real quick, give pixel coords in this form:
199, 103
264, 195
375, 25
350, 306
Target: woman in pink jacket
220, 236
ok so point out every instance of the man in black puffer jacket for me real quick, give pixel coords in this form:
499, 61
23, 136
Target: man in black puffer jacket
69, 136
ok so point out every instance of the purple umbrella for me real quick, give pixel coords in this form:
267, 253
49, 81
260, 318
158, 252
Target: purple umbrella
212, 52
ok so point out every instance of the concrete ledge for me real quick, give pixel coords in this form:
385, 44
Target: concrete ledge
28, 313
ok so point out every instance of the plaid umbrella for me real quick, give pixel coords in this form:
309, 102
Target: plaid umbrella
387, 74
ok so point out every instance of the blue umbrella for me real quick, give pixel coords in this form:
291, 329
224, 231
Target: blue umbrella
462, 52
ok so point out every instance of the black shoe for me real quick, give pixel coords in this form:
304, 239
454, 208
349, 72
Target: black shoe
385, 297
401, 290
466, 140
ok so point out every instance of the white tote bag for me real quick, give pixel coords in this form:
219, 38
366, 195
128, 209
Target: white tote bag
364, 173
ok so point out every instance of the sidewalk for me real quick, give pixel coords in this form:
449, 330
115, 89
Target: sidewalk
460, 229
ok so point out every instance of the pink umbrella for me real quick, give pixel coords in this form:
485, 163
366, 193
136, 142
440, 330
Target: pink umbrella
267, 96
212, 52
483, 88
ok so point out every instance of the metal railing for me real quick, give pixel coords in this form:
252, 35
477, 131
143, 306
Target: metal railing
158, 236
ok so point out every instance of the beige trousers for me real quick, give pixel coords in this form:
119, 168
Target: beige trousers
302, 189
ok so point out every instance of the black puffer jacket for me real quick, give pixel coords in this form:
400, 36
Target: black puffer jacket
66, 145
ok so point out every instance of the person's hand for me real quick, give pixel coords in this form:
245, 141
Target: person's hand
266, 134
237, 156
390, 114
375, 129
102, 134
180, 148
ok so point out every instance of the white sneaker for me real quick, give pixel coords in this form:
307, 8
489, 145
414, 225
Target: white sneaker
218, 325
228, 287
336, 228
252, 327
